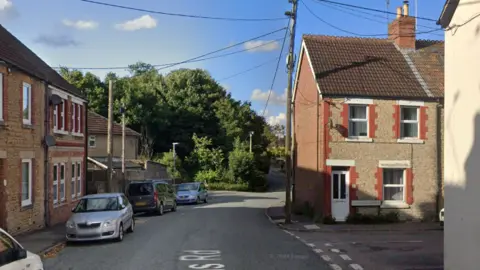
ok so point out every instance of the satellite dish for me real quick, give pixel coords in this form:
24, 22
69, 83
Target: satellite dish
55, 100
50, 141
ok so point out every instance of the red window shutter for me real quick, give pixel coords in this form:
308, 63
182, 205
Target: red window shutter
409, 186
379, 184
423, 122
372, 117
396, 121
67, 108
344, 115
59, 116
82, 118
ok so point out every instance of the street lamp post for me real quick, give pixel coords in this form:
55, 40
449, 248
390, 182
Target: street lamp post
174, 161
251, 134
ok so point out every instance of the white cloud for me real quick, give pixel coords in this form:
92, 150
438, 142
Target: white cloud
80, 25
261, 45
277, 119
144, 22
7, 10
275, 99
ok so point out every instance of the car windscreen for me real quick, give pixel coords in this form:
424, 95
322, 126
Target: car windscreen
140, 189
187, 187
97, 205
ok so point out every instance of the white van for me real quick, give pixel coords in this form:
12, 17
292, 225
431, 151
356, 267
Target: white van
13, 256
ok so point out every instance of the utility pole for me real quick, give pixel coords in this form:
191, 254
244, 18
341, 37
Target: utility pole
174, 161
290, 65
251, 134
122, 111
110, 137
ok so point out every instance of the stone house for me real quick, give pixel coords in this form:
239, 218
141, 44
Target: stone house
368, 121
41, 162
461, 21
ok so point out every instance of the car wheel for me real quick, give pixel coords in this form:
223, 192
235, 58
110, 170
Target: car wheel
206, 199
174, 208
160, 209
132, 227
120, 233
198, 200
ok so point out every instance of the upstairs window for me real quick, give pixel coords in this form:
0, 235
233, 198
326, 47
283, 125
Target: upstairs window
358, 121
59, 117
27, 104
409, 123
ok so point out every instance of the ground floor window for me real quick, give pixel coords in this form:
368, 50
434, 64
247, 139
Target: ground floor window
73, 181
393, 184
55, 183
26, 182
79, 178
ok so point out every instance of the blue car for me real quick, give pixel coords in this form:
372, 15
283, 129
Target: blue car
192, 193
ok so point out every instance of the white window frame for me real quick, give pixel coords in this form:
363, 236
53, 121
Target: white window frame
351, 120
1, 96
94, 139
73, 117
62, 115
28, 201
55, 182
27, 121
62, 181
55, 118
79, 179
74, 179
403, 185
76, 118
410, 122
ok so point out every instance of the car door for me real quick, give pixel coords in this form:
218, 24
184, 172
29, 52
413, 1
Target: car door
129, 208
171, 194
202, 191
124, 212
9, 259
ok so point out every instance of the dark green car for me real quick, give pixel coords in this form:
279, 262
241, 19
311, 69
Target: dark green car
152, 196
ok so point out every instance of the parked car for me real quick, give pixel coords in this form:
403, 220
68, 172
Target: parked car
100, 217
151, 196
192, 193
13, 256
441, 216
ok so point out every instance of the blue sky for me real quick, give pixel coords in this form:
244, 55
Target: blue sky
77, 34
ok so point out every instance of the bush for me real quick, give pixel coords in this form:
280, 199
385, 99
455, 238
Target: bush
263, 161
228, 186
241, 164
358, 218
208, 176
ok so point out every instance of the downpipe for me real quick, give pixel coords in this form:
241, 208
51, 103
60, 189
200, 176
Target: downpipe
46, 193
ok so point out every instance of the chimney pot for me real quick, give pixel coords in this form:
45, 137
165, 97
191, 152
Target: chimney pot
405, 8
399, 12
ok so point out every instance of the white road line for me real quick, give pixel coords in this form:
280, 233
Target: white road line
327, 258
345, 257
311, 227
335, 266
335, 250
317, 250
356, 266
298, 237
311, 245
328, 244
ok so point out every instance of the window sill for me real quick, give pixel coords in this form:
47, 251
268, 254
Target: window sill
394, 205
412, 141
59, 204
27, 207
62, 132
77, 134
27, 126
366, 203
369, 140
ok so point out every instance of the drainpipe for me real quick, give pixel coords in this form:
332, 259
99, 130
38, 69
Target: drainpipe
46, 156
85, 156
438, 151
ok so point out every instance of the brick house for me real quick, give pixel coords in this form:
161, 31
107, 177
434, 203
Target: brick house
31, 147
368, 124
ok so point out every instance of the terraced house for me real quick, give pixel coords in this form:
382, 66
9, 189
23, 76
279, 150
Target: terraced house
368, 124
42, 142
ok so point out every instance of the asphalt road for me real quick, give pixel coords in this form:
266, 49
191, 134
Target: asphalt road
230, 232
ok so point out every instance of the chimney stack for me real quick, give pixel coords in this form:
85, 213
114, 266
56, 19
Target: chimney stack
402, 29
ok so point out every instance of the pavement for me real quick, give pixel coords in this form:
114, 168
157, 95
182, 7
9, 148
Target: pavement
43, 240
229, 232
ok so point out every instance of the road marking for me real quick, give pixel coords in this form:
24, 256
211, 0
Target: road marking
310, 245
203, 255
311, 227
345, 257
335, 250
328, 244
317, 250
288, 232
356, 266
335, 266
327, 258
298, 237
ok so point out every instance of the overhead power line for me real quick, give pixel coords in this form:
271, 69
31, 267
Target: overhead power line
372, 9
354, 33
168, 64
248, 70
276, 71
183, 15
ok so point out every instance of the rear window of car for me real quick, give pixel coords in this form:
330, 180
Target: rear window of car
140, 189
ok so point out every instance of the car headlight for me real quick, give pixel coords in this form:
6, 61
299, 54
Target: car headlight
108, 223
70, 225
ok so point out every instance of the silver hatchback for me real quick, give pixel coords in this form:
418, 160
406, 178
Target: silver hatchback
100, 217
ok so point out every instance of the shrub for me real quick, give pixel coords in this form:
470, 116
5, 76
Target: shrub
208, 176
358, 218
241, 164
228, 186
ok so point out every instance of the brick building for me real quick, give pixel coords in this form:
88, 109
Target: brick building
31, 147
368, 124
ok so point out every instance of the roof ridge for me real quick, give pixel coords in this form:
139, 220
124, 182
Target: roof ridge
115, 123
345, 37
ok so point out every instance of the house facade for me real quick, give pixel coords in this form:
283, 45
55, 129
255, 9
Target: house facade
461, 23
28, 145
98, 134
368, 124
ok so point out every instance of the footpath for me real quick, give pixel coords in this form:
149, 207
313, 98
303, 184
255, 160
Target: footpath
42, 241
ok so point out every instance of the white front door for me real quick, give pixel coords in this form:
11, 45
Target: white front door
340, 199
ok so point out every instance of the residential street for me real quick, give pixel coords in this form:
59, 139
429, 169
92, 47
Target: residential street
232, 226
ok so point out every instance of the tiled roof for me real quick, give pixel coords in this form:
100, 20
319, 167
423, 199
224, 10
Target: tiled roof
429, 61
350, 66
98, 124
117, 162
15, 53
